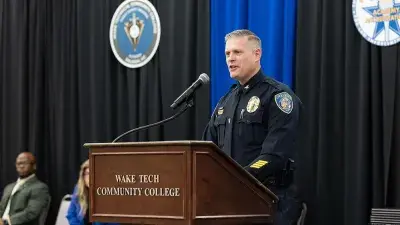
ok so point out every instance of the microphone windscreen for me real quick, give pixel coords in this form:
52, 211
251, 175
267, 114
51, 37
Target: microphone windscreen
204, 78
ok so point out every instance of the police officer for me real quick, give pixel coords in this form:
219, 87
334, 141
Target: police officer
256, 123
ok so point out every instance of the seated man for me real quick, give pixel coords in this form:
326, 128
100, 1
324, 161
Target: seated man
24, 200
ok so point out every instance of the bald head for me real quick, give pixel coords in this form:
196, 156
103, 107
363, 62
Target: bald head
26, 164
29, 156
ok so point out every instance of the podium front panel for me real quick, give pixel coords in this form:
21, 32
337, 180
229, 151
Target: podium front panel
174, 183
132, 184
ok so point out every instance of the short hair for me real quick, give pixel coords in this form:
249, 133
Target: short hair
244, 33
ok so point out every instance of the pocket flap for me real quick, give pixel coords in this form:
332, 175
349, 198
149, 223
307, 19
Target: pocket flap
220, 120
253, 118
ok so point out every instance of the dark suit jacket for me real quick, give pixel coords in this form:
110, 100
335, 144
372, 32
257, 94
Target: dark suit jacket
27, 203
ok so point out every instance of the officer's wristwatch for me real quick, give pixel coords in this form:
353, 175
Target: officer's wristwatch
5, 222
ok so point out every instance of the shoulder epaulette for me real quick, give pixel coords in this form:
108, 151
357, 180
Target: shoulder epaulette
279, 86
233, 86
271, 82
231, 89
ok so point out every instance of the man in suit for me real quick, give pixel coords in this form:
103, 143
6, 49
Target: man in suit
24, 200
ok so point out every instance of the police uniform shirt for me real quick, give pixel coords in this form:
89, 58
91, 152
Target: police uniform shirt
256, 124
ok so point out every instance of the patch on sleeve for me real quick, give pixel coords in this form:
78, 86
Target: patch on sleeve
284, 102
259, 164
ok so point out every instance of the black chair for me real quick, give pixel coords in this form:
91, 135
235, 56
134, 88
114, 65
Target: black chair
43, 214
302, 217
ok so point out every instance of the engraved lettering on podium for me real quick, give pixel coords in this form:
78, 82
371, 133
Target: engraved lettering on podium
137, 180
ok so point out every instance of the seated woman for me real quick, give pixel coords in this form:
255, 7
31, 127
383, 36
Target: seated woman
78, 211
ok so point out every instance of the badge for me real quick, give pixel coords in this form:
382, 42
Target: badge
135, 33
284, 102
220, 111
253, 104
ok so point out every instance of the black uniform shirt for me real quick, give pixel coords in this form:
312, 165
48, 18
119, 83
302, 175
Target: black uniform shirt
256, 124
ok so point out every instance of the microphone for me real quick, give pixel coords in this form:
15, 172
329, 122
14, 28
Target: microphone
203, 79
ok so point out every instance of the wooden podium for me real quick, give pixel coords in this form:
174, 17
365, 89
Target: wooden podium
174, 183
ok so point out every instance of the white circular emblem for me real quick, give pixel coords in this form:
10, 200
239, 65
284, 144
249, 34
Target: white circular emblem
378, 20
135, 32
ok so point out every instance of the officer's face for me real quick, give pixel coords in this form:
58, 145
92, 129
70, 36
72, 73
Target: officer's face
242, 58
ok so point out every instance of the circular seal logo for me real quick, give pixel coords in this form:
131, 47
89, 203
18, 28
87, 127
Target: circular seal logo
378, 20
135, 32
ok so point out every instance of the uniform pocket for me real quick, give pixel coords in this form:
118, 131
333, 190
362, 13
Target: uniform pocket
220, 123
251, 127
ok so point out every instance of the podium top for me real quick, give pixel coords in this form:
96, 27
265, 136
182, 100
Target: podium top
151, 143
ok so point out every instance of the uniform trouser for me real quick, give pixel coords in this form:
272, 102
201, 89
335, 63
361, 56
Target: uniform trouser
289, 210
289, 207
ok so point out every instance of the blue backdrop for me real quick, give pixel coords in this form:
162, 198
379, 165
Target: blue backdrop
274, 21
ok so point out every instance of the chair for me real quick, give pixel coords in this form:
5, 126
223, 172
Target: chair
43, 214
385, 216
302, 218
62, 212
